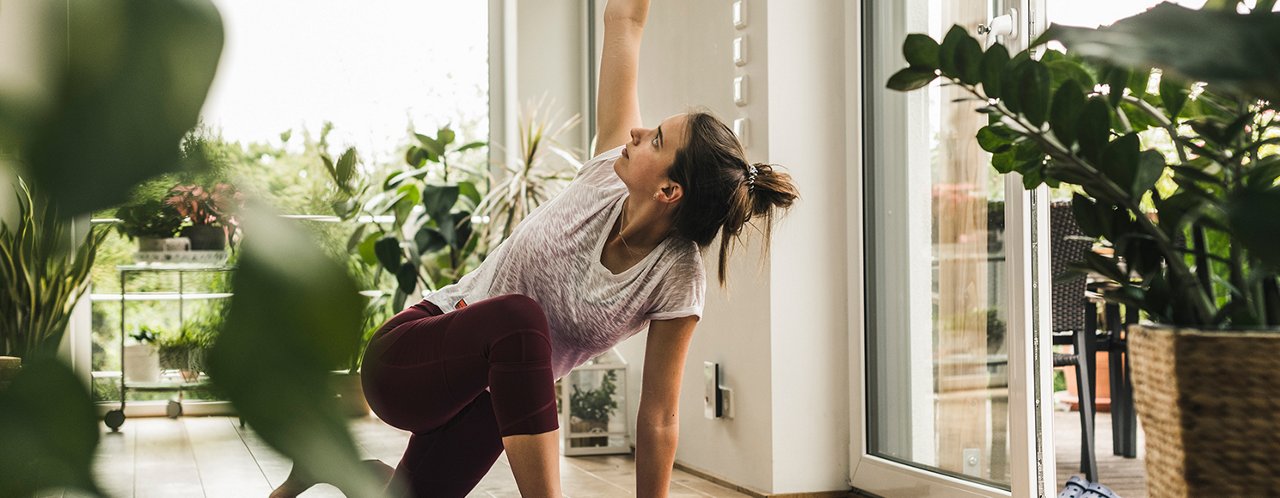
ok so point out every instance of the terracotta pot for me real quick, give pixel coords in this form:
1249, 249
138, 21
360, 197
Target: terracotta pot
1102, 400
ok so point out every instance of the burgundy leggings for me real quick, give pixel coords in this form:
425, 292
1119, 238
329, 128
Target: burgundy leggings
427, 373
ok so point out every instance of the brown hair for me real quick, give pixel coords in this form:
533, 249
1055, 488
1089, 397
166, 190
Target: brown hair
713, 170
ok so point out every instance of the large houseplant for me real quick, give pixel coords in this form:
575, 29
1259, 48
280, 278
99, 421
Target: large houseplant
1202, 265
41, 273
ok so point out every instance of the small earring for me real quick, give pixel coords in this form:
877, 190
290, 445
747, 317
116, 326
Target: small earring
655, 194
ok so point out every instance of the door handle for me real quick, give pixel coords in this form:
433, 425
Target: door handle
1002, 26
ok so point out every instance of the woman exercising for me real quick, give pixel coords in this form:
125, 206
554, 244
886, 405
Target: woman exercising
471, 369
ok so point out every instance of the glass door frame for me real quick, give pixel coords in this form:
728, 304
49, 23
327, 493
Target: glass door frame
1028, 282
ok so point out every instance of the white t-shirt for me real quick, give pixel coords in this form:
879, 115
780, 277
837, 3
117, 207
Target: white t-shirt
553, 257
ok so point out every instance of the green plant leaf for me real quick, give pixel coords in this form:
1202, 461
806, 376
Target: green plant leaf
1138, 82
294, 316
407, 278
1093, 128
911, 78
921, 51
439, 200
472, 145
1222, 48
1173, 95
133, 81
994, 63
1063, 70
1120, 161
367, 249
995, 139
1033, 91
432, 147
388, 251
429, 240
346, 166
1150, 168
1254, 217
468, 190
1091, 216
968, 60
1116, 79
445, 136
1068, 103
1176, 211
947, 51
49, 428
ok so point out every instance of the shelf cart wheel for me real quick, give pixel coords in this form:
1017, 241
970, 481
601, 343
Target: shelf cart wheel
174, 410
114, 419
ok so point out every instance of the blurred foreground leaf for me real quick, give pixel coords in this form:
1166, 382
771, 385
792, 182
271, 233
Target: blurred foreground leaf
1236, 51
135, 78
48, 431
293, 318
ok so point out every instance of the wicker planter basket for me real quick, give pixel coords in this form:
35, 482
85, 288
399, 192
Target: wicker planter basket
1210, 407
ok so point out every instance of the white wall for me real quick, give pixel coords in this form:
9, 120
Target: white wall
809, 328
779, 330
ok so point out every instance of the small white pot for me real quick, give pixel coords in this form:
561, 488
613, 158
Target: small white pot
141, 363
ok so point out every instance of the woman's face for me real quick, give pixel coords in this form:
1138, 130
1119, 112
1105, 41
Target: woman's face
648, 157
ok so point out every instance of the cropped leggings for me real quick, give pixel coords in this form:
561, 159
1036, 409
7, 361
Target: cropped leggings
426, 372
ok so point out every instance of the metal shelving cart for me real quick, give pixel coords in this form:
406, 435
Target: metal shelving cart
115, 418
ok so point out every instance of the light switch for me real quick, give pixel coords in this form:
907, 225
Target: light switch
740, 90
739, 14
741, 130
711, 401
740, 50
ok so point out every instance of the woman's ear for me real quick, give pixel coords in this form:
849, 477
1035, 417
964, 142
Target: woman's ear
669, 194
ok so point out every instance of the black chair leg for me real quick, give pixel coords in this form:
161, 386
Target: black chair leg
1129, 428
1085, 380
1116, 367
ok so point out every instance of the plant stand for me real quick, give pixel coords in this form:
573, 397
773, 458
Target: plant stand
114, 419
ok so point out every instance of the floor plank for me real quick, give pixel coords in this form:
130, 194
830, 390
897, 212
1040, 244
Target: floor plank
1125, 476
166, 466
115, 457
227, 468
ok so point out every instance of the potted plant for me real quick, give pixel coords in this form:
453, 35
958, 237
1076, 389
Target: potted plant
590, 410
153, 222
142, 358
210, 211
1174, 109
41, 277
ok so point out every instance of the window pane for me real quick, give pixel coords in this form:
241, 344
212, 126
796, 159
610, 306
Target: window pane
937, 352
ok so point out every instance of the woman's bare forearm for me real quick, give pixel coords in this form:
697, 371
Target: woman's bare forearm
655, 455
636, 11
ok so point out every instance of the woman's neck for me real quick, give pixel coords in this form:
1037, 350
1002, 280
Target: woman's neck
644, 224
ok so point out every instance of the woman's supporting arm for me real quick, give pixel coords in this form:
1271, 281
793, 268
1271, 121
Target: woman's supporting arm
658, 426
617, 102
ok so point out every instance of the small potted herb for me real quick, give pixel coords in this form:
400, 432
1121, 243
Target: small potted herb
142, 358
153, 223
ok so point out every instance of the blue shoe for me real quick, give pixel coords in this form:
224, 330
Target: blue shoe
1097, 490
1075, 488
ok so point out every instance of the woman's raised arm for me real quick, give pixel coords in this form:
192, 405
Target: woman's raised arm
617, 102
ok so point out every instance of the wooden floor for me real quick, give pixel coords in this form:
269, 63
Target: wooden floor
214, 457
1126, 476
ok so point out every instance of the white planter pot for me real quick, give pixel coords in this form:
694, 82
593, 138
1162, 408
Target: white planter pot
141, 363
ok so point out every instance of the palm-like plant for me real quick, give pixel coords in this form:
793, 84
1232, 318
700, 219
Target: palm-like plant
544, 168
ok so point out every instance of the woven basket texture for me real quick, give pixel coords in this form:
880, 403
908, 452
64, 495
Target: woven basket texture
1209, 402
